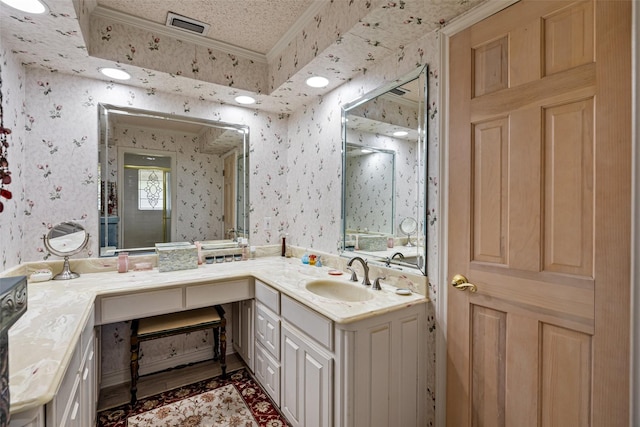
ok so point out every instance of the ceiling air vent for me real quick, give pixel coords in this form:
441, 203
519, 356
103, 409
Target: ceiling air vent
186, 24
398, 91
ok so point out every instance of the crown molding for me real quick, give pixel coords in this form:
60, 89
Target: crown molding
475, 15
161, 29
295, 29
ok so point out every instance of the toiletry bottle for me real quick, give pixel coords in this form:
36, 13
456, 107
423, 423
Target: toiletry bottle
123, 262
199, 248
283, 249
245, 249
318, 262
312, 259
305, 258
252, 251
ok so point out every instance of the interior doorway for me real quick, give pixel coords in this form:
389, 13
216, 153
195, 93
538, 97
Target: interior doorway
146, 201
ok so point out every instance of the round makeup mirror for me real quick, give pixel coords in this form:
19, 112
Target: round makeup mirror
408, 226
64, 240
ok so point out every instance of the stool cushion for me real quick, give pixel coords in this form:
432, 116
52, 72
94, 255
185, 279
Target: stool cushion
177, 321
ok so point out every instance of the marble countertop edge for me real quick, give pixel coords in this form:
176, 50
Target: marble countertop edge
58, 310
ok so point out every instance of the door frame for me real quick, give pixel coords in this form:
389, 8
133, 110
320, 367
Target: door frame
459, 24
635, 218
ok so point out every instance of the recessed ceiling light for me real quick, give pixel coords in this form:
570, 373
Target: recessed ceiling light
115, 73
28, 6
242, 99
401, 133
317, 81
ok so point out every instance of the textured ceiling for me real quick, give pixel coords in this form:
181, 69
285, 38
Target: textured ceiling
262, 48
256, 25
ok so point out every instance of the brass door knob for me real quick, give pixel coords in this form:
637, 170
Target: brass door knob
461, 283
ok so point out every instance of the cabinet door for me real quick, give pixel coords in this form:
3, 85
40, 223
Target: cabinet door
268, 373
268, 330
29, 418
88, 388
73, 415
307, 385
242, 319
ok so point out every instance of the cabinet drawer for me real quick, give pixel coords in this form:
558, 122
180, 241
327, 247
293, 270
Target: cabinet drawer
58, 409
267, 372
308, 321
86, 337
142, 304
268, 296
218, 293
268, 330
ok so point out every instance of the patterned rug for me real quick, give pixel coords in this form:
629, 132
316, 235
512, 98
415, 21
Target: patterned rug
237, 401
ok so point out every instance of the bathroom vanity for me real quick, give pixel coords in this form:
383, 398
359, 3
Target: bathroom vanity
324, 361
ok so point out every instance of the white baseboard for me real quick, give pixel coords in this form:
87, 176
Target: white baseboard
124, 376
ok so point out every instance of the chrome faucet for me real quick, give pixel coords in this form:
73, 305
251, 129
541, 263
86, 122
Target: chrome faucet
365, 280
376, 283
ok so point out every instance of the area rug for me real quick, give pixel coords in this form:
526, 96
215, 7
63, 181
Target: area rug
237, 401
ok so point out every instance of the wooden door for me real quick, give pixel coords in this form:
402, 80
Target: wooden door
539, 216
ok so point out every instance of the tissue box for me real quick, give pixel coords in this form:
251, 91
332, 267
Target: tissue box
176, 256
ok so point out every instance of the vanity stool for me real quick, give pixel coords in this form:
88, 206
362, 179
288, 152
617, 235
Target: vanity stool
164, 325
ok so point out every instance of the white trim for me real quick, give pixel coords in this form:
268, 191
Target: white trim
295, 29
461, 23
634, 392
163, 30
443, 242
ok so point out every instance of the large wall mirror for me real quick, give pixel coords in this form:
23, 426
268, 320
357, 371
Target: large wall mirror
169, 178
384, 174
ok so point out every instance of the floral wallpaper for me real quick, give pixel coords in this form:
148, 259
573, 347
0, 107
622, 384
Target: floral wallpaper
12, 76
61, 127
369, 193
199, 199
295, 160
129, 45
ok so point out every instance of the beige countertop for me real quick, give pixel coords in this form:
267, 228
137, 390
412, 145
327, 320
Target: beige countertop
42, 341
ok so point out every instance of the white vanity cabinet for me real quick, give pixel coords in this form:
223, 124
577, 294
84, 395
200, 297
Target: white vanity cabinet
267, 339
76, 401
242, 318
366, 373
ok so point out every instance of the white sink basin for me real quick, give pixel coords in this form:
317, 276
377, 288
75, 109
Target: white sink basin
340, 291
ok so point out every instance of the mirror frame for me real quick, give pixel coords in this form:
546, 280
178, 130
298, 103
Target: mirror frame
421, 181
105, 110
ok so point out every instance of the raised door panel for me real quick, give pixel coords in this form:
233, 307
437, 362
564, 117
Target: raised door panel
30, 418
88, 378
243, 327
268, 330
409, 391
318, 390
267, 371
292, 401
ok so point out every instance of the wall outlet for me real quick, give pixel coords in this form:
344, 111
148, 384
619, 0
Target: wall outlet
267, 223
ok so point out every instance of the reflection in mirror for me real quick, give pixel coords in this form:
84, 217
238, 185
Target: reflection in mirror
369, 193
168, 178
384, 173
64, 240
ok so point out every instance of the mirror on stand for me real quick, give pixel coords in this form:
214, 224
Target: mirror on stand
64, 240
